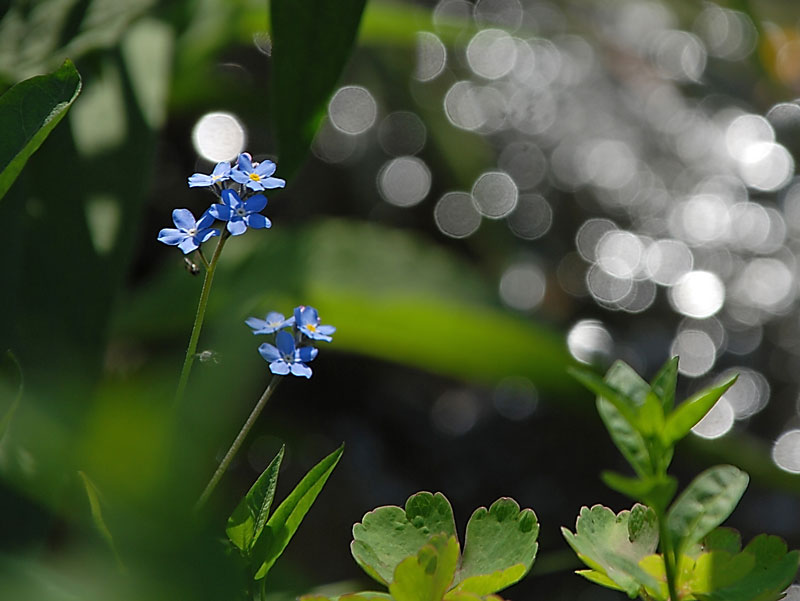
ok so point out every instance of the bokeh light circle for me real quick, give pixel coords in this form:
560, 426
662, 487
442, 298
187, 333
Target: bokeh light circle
218, 137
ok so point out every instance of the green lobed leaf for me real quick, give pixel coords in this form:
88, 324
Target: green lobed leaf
499, 548
604, 542
311, 43
691, 411
28, 113
388, 535
427, 575
650, 490
705, 504
286, 519
248, 519
12, 385
664, 383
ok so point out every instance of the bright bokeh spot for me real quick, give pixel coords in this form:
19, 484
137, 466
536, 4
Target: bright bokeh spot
786, 451
698, 294
589, 341
456, 216
404, 181
352, 110
218, 137
431, 56
495, 194
522, 286
717, 422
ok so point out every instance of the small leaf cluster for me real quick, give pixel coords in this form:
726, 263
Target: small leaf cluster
698, 559
262, 537
416, 554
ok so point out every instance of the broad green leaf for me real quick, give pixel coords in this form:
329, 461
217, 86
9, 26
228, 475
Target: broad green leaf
663, 385
599, 578
362, 596
604, 542
427, 575
625, 437
621, 402
719, 569
12, 386
457, 595
653, 565
388, 535
723, 539
282, 525
247, 520
28, 113
705, 504
692, 410
311, 43
650, 490
623, 378
499, 548
97, 515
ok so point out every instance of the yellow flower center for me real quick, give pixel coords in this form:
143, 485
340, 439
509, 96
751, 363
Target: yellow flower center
255, 177
311, 327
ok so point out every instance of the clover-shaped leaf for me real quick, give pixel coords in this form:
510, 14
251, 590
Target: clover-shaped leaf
613, 545
499, 548
427, 575
388, 535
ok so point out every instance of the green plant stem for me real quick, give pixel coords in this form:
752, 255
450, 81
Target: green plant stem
669, 555
237, 442
191, 350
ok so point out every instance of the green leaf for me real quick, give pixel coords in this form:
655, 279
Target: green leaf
650, 490
427, 575
664, 383
12, 386
282, 525
247, 520
97, 515
621, 402
723, 539
28, 113
311, 43
388, 535
605, 543
705, 504
623, 378
625, 437
691, 411
599, 578
499, 548
362, 596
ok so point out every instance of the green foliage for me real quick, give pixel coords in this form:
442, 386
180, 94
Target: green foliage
415, 551
11, 388
311, 43
698, 560
28, 113
93, 495
261, 540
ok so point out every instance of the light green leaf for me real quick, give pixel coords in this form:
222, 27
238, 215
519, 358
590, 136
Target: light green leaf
282, 525
663, 385
97, 515
311, 43
247, 520
28, 113
388, 535
625, 437
427, 575
604, 542
705, 504
649, 490
499, 548
599, 578
362, 596
623, 378
621, 402
692, 410
12, 386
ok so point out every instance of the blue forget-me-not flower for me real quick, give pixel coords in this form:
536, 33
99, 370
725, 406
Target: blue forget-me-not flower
275, 321
241, 214
222, 172
285, 358
190, 234
256, 177
308, 322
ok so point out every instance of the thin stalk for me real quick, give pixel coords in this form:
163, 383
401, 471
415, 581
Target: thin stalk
191, 350
237, 442
669, 555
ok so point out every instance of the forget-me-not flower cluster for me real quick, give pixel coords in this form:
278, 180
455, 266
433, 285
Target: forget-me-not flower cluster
239, 190
293, 340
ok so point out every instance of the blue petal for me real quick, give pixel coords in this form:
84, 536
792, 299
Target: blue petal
205, 235
221, 170
237, 226
244, 163
257, 324
257, 221
326, 330
239, 177
200, 180
183, 219
231, 198
298, 369
285, 342
255, 204
275, 317
279, 368
273, 182
265, 169
221, 212
306, 353
171, 236
269, 352
188, 245
206, 220
254, 185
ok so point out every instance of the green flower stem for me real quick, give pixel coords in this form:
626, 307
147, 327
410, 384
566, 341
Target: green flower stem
237, 443
191, 350
669, 555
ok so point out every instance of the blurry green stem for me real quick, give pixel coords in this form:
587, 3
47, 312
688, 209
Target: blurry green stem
226, 461
669, 554
191, 350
